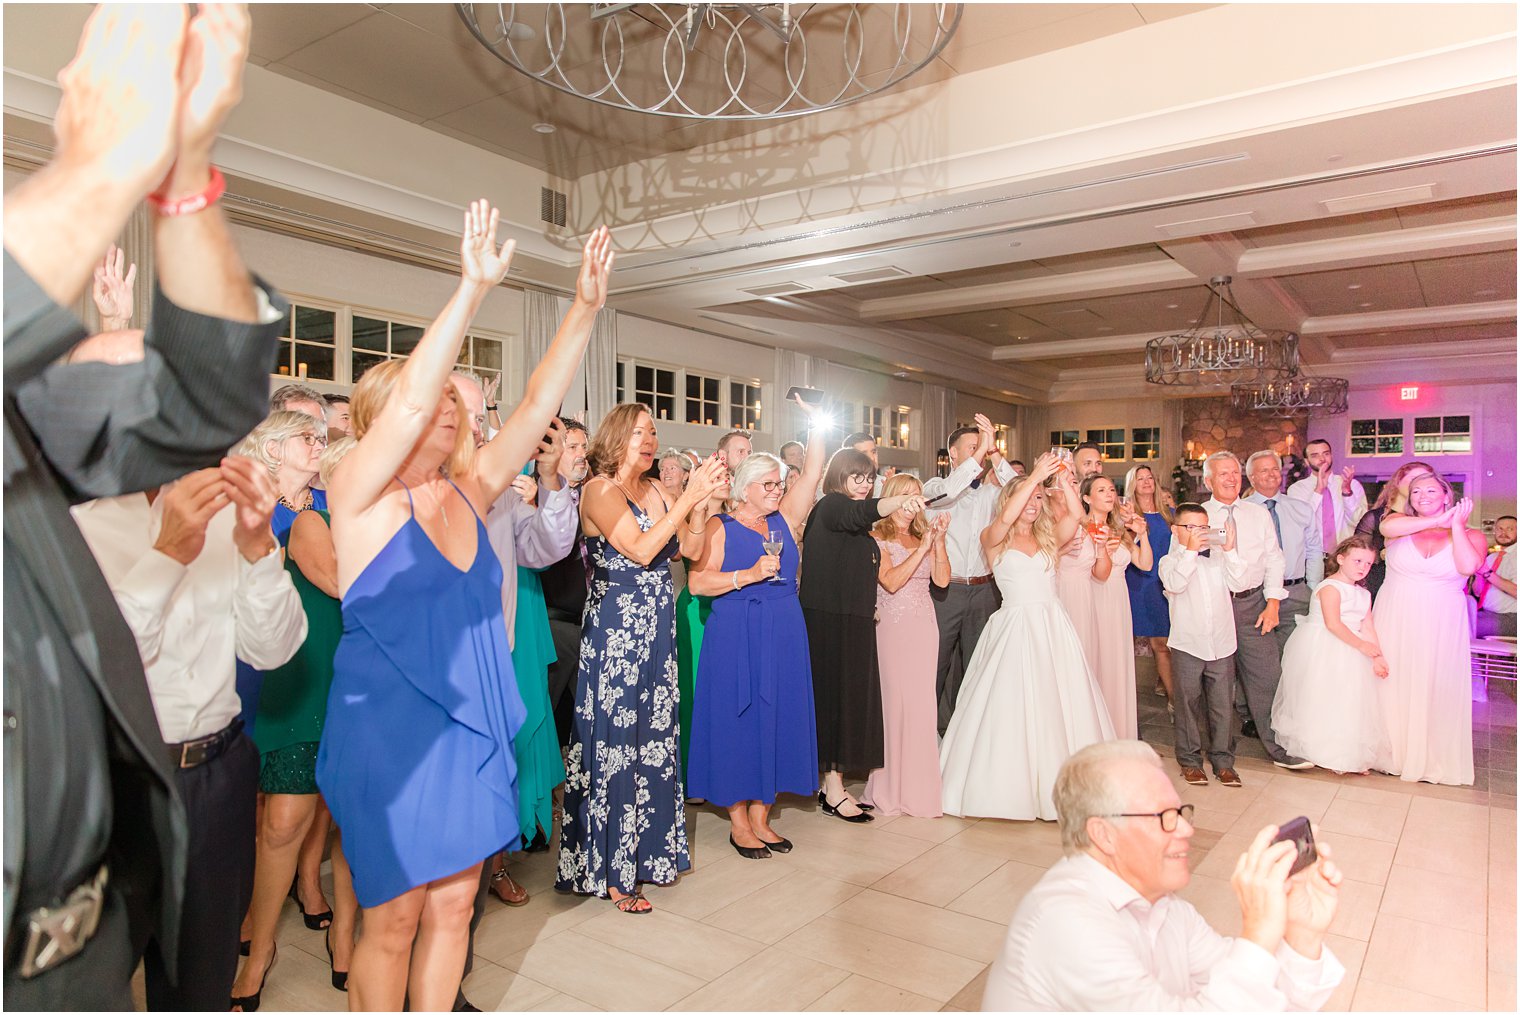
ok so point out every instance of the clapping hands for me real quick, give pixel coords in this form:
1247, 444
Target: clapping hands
708, 478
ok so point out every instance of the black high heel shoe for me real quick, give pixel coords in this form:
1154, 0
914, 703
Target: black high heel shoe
313, 921
339, 980
251, 1002
750, 852
833, 811
780, 846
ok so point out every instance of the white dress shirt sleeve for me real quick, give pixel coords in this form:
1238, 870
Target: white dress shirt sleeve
544, 537
1091, 964
953, 485
1177, 570
1314, 555
1235, 567
1272, 560
1005, 473
1348, 508
143, 594
269, 622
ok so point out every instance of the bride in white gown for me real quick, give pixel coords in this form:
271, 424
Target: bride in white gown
1029, 700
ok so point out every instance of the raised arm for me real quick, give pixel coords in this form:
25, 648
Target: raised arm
1469, 547
368, 469
499, 461
994, 534
799, 499
1394, 526
603, 505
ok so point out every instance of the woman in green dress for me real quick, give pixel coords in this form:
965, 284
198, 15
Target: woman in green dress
292, 709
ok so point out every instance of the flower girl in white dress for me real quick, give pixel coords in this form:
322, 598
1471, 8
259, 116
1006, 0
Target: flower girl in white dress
1326, 709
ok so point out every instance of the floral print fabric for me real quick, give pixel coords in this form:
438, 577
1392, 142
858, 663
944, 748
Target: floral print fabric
625, 820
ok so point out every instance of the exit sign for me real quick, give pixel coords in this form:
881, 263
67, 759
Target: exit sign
1409, 393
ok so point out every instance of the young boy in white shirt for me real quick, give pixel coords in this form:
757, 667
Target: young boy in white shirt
1195, 575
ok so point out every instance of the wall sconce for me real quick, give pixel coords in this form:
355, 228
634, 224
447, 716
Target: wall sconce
942, 462
902, 433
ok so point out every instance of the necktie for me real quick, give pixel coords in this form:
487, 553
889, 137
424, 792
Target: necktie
1271, 503
1327, 520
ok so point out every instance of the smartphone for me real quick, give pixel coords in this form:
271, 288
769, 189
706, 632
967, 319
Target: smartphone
812, 396
935, 499
1301, 835
1214, 537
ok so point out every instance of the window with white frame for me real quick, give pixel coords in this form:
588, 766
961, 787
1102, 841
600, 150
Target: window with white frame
1443, 435
744, 405
655, 387
873, 420
899, 429
1145, 443
703, 400
309, 344
1377, 437
1110, 441
1068, 439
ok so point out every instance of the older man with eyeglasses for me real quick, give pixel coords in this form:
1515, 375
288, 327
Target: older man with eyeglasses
1104, 930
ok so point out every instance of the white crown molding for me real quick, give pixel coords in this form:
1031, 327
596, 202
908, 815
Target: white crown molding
1411, 319
1426, 242
1133, 278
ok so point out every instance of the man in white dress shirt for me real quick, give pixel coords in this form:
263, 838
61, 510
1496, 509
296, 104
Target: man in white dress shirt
197, 574
1300, 538
1256, 596
964, 606
1103, 930
1494, 583
1337, 502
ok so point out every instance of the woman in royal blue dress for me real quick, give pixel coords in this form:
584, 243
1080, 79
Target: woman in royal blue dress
416, 761
753, 730
625, 820
1148, 608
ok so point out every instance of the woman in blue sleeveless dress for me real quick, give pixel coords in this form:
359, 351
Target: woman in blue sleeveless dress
416, 761
754, 734
625, 822
1147, 603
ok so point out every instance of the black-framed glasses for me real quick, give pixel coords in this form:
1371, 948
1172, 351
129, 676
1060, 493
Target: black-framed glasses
771, 485
1192, 528
863, 477
1168, 817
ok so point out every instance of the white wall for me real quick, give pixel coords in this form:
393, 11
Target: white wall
1489, 473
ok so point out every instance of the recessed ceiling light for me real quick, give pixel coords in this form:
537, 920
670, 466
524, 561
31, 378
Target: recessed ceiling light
1334, 158
1104, 327
1172, 306
1485, 292
544, 128
1364, 304
1354, 285
1016, 243
992, 327
1021, 338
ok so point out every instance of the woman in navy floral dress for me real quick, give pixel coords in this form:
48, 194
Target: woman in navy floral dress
625, 822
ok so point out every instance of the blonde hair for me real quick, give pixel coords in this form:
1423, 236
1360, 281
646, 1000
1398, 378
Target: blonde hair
1044, 524
1134, 500
1408, 508
334, 453
749, 471
898, 486
613, 433
373, 393
277, 428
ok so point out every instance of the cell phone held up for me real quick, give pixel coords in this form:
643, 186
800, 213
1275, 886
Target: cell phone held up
1301, 835
811, 396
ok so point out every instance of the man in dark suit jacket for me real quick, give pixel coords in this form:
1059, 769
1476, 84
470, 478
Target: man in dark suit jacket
94, 832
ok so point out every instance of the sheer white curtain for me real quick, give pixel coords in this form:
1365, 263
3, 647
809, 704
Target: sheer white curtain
799, 370
599, 369
1032, 432
938, 421
594, 387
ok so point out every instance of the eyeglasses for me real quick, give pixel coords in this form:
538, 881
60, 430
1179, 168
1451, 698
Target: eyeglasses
1192, 528
312, 440
1168, 817
770, 485
863, 477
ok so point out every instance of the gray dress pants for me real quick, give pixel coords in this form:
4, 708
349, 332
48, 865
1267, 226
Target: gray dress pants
1258, 668
962, 611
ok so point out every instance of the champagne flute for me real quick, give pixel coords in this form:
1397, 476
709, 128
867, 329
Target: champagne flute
772, 544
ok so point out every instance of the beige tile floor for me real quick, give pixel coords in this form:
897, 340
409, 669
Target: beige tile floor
907, 913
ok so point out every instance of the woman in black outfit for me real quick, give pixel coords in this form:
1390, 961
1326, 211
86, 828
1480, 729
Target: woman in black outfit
1391, 501
838, 592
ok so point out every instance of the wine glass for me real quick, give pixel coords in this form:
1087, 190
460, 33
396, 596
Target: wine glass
772, 544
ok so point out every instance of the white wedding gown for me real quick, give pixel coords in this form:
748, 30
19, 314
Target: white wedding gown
1028, 702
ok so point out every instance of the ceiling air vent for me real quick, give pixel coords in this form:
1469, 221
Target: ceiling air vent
735, 324
871, 275
551, 206
779, 289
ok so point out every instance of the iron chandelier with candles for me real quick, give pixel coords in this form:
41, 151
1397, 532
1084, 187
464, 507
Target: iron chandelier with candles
716, 61
1317, 396
1223, 346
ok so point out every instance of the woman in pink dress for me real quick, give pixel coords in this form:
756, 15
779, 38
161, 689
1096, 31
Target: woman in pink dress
1075, 583
1119, 540
907, 644
1421, 618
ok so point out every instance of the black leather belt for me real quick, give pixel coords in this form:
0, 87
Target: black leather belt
194, 753
1247, 594
981, 579
1288, 583
55, 934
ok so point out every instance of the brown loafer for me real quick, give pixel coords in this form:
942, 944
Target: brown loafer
1227, 777
1194, 776
508, 890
